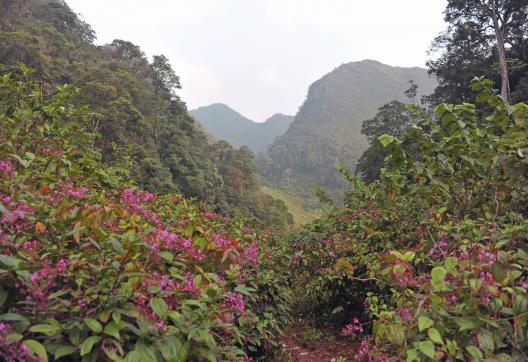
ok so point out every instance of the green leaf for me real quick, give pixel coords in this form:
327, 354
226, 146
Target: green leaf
412, 355
10, 261
486, 341
117, 246
475, 352
133, 356
184, 352
88, 344
170, 348
396, 335
167, 256
21, 322
386, 139
438, 273
424, 323
37, 349
465, 324
451, 263
93, 324
62, 351
159, 307
146, 352
112, 329
427, 348
435, 336
47, 329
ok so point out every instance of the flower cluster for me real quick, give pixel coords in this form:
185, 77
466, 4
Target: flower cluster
352, 329
6, 169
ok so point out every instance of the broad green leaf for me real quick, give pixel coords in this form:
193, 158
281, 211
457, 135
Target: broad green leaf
117, 246
37, 349
486, 341
475, 352
167, 256
112, 329
184, 352
396, 335
133, 356
88, 344
146, 352
424, 323
93, 324
438, 273
386, 139
435, 336
159, 307
10, 261
465, 324
427, 348
451, 263
170, 348
62, 351
412, 355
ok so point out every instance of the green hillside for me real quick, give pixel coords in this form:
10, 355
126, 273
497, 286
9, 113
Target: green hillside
302, 214
327, 129
227, 124
135, 108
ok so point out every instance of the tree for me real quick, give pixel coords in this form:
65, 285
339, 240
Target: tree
480, 33
164, 78
393, 119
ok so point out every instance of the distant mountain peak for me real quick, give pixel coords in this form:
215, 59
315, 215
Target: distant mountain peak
327, 128
223, 122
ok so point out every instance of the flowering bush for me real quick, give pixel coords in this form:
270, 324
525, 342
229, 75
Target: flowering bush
95, 269
433, 258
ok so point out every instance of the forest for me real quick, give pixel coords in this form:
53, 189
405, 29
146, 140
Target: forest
128, 233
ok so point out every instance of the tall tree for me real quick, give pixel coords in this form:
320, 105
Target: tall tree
164, 77
486, 29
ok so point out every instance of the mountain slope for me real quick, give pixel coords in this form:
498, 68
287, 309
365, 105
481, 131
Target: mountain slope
327, 128
225, 123
134, 106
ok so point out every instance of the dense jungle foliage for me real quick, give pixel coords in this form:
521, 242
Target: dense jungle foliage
136, 109
431, 261
93, 268
126, 236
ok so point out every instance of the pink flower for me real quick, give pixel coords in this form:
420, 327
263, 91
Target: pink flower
251, 253
6, 169
363, 349
353, 328
236, 301
221, 242
332, 254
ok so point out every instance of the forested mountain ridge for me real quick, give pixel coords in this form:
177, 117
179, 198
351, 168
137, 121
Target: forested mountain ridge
327, 128
225, 123
134, 107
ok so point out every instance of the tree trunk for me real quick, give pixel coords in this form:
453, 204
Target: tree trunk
501, 49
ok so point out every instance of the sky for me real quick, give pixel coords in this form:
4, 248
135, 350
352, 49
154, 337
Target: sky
260, 56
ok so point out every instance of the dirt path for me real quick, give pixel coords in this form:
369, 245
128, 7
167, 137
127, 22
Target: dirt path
306, 344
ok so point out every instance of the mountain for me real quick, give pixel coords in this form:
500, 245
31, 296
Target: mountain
133, 104
327, 129
225, 123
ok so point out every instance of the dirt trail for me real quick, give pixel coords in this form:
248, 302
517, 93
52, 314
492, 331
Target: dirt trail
305, 344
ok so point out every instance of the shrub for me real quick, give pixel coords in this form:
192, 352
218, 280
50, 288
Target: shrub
433, 257
94, 269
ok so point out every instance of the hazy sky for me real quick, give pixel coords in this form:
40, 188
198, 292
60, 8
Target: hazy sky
260, 56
